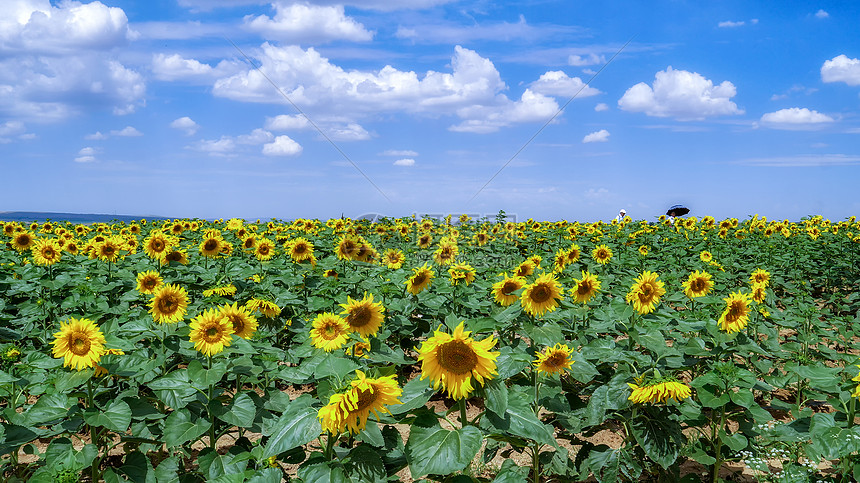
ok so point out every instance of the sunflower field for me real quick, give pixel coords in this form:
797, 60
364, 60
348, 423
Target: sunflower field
421, 349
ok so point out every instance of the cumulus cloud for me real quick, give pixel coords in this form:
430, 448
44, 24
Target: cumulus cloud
185, 124
305, 23
597, 137
96, 136
285, 122
381, 5
405, 162
795, 118
730, 24
11, 129
452, 33
841, 69
348, 132
217, 147
601, 107
681, 94
173, 67
86, 155
584, 60
256, 137
127, 131
282, 146
557, 83
821, 14
531, 107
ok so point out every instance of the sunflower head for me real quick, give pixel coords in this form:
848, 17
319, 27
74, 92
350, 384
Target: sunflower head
451, 361
168, 304
601, 254
79, 342
211, 332
698, 284
658, 391
148, 282
363, 316
553, 360
329, 332
541, 296
586, 287
645, 292
243, 322
503, 290
46, 251
736, 314
420, 279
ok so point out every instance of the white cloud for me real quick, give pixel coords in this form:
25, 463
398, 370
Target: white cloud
285, 122
217, 147
680, 94
405, 162
399, 152
453, 33
596, 194
174, 66
185, 124
795, 118
257, 136
531, 107
127, 131
96, 136
821, 14
12, 128
601, 107
381, 5
305, 23
557, 83
730, 24
804, 160
282, 146
86, 155
582, 61
349, 132
597, 137
841, 69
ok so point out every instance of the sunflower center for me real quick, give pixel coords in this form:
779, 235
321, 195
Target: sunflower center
366, 398
330, 332
509, 287
80, 344
157, 246
541, 294
212, 334
264, 250
149, 283
238, 323
168, 304
359, 317
457, 357
210, 245
419, 279
557, 359
736, 311
698, 285
299, 249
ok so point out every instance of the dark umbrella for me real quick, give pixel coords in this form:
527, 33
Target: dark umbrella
677, 210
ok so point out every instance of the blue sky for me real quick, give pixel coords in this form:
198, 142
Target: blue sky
441, 106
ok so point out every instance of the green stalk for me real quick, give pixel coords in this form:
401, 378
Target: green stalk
718, 445
464, 421
94, 438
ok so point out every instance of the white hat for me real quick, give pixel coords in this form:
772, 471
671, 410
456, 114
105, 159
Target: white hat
622, 211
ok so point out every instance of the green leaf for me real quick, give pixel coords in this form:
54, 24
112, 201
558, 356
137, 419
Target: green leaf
511, 361
415, 395
364, 464
13, 436
735, 441
179, 428
497, 396
546, 335
659, 435
520, 420
138, 468
48, 408
438, 451
743, 398
203, 378
510, 472
372, 435
297, 426
334, 365
116, 416
241, 412
266, 475
173, 389
323, 472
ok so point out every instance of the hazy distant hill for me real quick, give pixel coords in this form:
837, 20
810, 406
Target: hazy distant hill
86, 218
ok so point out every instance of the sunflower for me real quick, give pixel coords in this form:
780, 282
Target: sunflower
425, 240
645, 292
559, 260
108, 250
350, 410
643, 250
760, 277
23, 241
658, 391
221, 290
553, 359
71, 247
736, 314
156, 245
300, 249
265, 307
363, 316
503, 290
79, 342
759, 293
347, 247
541, 296
481, 238
573, 253
169, 304
586, 287
461, 272
329, 332
176, 256
264, 250
601, 254
330, 273
366, 252
210, 247
393, 258
148, 282
420, 279
211, 332
46, 251
445, 254
525, 269
452, 360
698, 284
249, 243
706, 256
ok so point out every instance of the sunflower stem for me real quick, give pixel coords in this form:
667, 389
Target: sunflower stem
94, 436
464, 421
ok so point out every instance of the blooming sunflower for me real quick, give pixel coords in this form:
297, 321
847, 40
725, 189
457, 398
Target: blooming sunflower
168, 304
350, 410
347, 247
393, 258
698, 284
176, 256
645, 292
658, 391
541, 296
148, 282
425, 240
553, 360
264, 250
445, 254
601, 254
210, 332
559, 260
452, 360
736, 314
79, 342
420, 279
643, 250
586, 287
23, 241
329, 332
221, 290
363, 316
760, 277
503, 290
46, 251
525, 269
706, 256
244, 323
264, 307
573, 253
300, 249
461, 272
210, 247
759, 293
156, 245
